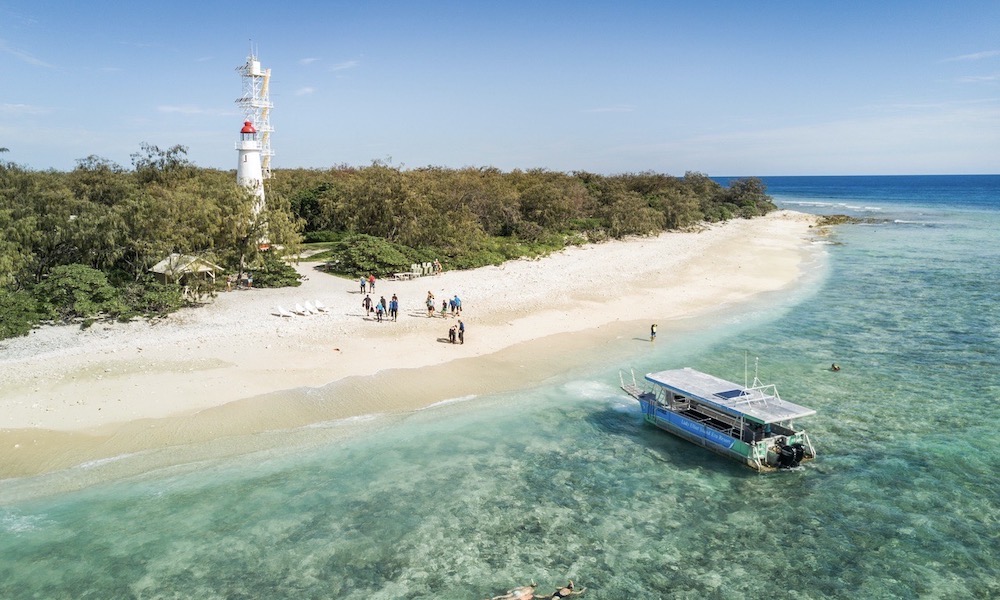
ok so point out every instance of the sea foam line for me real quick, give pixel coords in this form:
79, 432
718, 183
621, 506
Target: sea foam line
343, 422
451, 401
90, 464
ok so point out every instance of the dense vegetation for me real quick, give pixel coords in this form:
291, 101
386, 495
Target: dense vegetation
78, 245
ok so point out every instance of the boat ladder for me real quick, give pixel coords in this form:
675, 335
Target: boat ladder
632, 389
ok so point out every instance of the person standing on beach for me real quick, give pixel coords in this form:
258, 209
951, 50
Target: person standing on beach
437, 267
430, 304
385, 306
393, 307
371, 283
378, 312
461, 332
451, 334
444, 308
458, 305
652, 333
367, 303
362, 281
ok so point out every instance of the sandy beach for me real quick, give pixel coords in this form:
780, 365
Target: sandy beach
69, 395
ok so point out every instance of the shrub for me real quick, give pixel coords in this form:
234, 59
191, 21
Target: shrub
313, 237
272, 272
19, 313
361, 254
76, 291
147, 297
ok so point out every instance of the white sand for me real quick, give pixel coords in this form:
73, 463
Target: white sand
64, 379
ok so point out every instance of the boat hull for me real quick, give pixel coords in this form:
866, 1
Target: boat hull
700, 434
759, 457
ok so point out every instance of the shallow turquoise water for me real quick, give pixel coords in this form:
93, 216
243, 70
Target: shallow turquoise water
470, 498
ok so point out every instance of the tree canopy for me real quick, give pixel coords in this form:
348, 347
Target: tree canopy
79, 244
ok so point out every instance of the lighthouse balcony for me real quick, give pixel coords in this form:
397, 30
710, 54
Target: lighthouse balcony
248, 145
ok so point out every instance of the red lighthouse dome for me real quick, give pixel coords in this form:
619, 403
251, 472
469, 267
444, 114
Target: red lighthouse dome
248, 127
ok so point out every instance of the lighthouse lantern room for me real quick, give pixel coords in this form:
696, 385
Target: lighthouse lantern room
248, 170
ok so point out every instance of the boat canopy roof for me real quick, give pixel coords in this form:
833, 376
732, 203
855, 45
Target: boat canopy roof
761, 404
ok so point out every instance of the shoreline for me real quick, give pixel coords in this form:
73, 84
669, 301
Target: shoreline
72, 396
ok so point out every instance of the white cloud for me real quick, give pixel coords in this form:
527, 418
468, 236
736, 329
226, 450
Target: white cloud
348, 64
974, 56
23, 109
979, 78
24, 56
304, 91
307, 61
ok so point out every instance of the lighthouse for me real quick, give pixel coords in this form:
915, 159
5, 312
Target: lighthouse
249, 173
256, 105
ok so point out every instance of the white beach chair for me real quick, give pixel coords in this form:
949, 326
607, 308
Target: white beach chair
310, 308
300, 310
320, 306
280, 312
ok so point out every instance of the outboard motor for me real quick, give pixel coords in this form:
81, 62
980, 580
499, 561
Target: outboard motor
800, 452
790, 455
786, 457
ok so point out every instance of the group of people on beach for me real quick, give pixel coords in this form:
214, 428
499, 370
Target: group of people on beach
389, 310
381, 309
453, 304
456, 334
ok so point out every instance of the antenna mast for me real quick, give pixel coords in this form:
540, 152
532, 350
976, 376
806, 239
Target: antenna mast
256, 105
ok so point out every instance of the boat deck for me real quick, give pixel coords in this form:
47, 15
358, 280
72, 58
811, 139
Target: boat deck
761, 404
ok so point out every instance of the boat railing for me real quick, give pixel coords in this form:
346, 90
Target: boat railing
759, 394
632, 388
808, 444
621, 376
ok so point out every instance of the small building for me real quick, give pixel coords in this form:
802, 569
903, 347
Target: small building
176, 267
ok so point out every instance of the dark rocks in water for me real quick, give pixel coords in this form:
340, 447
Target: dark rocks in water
825, 220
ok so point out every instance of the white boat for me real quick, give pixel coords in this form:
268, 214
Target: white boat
750, 424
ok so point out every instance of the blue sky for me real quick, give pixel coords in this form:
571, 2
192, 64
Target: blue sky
724, 88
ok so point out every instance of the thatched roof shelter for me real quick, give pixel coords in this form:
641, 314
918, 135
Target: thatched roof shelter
176, 266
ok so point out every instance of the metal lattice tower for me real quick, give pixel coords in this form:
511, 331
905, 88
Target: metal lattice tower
256, 105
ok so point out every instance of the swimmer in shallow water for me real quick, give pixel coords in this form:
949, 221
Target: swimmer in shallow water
834, 367
525, 592
565, 592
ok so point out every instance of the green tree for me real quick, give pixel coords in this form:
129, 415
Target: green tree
18, 313
629, 213
75, 291
750, 197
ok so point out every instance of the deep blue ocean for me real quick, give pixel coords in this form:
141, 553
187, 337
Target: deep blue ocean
469, 498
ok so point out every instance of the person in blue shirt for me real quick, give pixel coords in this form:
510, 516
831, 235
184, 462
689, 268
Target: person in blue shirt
393, 307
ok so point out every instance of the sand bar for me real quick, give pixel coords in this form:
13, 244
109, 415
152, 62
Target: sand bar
68, 395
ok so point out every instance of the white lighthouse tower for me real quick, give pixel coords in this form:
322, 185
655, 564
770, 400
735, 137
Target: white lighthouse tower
254, 146
249, 172
256, 105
